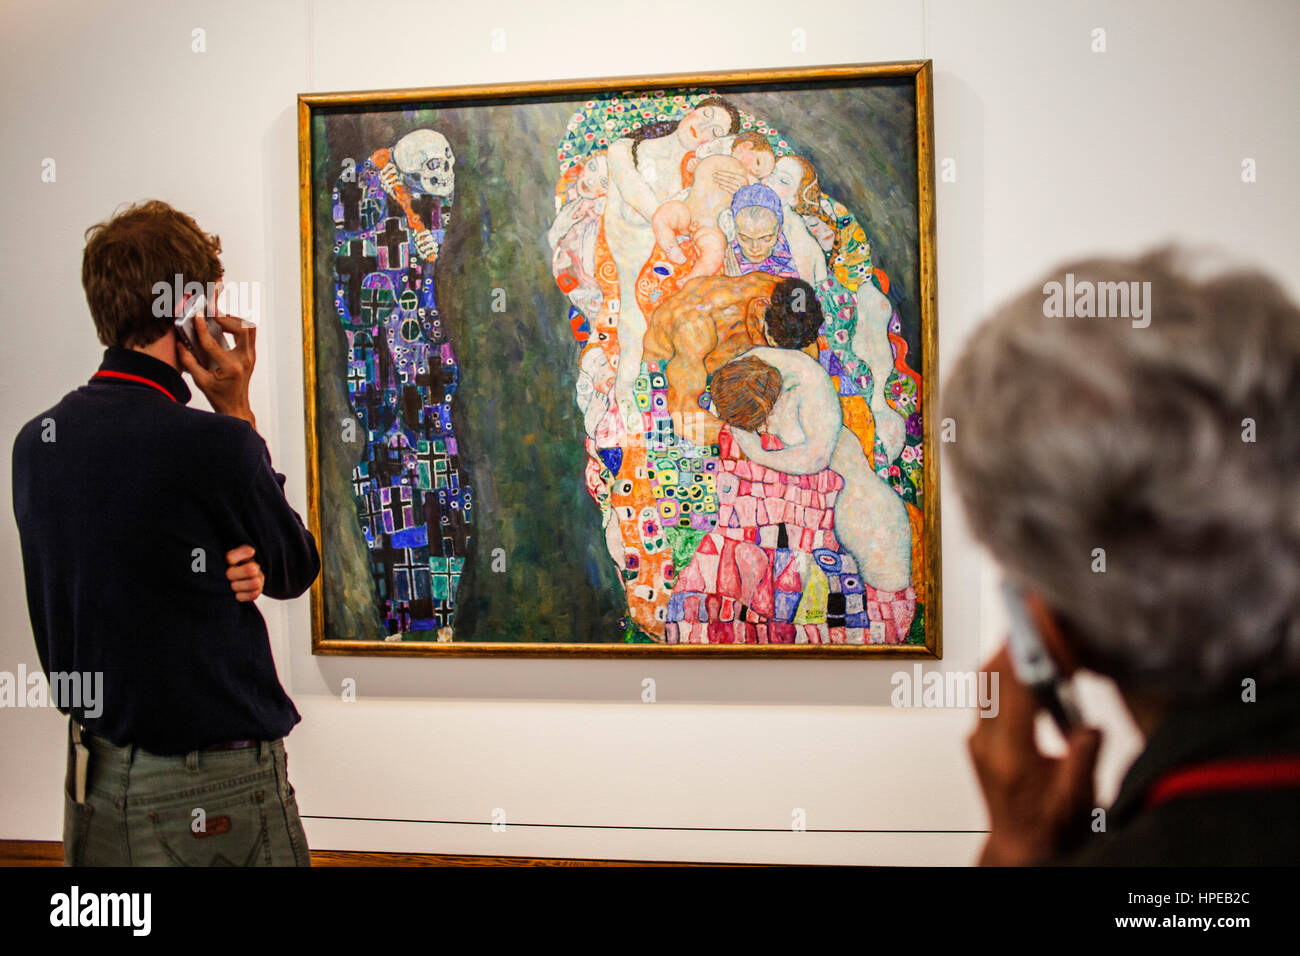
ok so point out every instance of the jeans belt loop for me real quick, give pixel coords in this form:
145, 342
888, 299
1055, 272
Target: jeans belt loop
192, 761
263, 751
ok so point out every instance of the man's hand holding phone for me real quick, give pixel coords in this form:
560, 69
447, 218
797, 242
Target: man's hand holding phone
226, 384
1038, 805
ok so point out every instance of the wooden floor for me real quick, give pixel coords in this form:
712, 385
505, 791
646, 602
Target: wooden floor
50, 853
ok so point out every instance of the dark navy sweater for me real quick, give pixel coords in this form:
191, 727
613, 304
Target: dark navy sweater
127, 502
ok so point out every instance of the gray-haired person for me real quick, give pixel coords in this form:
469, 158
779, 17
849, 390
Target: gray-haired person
1138, 476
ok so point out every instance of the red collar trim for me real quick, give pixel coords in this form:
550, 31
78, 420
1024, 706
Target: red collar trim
106, 373
1219, 776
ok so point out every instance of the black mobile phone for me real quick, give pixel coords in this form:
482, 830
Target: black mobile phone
1034, 667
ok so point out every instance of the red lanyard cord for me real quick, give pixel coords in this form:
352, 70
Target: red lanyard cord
1221, 776
105, 373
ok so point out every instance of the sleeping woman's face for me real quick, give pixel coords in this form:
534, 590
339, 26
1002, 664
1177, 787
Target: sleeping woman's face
785, 180
703, 124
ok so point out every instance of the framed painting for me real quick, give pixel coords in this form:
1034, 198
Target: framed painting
639, 366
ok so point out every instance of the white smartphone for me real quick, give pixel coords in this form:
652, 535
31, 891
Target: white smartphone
1034, 667
189, 335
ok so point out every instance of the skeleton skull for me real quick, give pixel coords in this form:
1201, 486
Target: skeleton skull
425, 158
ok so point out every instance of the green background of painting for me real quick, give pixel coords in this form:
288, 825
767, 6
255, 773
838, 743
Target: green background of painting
518, 427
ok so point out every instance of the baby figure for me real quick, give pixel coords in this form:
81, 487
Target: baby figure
754, 152
593, 182
751, 150
716, 180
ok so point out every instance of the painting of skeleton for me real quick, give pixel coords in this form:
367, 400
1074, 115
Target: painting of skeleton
636, 368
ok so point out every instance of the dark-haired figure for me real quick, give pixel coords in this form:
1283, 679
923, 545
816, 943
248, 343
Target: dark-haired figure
645, 169
714, 319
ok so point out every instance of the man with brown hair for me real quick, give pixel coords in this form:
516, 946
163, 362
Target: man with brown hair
126, 502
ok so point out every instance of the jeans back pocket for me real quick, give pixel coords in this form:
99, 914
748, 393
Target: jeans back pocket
224, 830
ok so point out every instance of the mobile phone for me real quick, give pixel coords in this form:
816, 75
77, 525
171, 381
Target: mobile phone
189, 335
1034, 667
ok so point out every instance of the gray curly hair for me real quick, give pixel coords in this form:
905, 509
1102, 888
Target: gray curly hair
1174, 447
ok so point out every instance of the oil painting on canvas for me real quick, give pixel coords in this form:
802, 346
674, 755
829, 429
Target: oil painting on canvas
639, 366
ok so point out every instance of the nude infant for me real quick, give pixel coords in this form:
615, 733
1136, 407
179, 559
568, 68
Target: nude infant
697, 214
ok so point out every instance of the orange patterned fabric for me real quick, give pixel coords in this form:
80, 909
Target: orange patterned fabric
606, 326
647, 552
858, 419
917, 521
381, 158
688, 170
660, 278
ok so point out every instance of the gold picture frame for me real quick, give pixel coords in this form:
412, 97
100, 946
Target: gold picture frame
359, 112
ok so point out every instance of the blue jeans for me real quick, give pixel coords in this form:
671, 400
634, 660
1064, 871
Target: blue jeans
204, 808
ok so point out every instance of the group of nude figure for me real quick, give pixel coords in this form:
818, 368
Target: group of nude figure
684, 247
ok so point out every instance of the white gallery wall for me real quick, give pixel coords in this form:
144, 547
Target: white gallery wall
1057, 150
